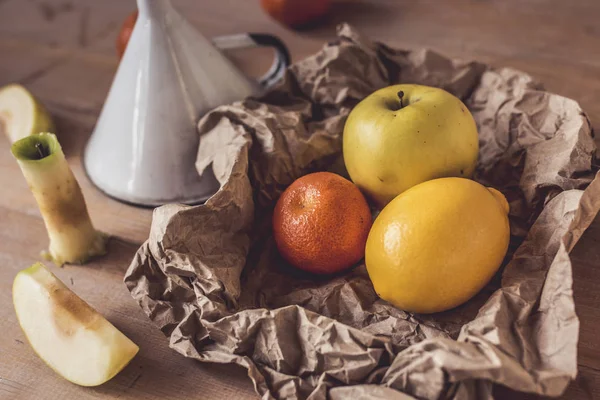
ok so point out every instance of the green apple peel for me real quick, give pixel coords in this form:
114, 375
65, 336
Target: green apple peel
73, 238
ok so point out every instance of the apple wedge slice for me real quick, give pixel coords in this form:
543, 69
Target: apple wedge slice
21, 114
66, 332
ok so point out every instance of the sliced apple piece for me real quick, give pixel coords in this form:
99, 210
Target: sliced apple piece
66, 332
21, 114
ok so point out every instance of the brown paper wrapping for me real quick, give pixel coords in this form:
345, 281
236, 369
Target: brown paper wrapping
210, 276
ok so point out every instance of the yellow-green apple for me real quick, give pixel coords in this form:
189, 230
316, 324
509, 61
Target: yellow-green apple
402, 135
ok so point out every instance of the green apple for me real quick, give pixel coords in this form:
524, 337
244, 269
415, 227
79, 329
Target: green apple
403, 135
66, 332
21, 114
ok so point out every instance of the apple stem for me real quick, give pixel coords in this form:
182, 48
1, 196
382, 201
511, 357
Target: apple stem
400, 95
41, 150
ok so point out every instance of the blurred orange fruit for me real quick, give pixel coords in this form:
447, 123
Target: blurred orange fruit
296, 13
125, 33
321, 223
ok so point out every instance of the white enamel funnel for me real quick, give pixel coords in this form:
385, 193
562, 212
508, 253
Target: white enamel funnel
144, 146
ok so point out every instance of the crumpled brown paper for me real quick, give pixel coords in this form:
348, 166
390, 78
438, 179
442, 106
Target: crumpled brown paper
210, 277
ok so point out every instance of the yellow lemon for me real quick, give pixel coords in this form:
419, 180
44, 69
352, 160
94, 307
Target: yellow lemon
437, 244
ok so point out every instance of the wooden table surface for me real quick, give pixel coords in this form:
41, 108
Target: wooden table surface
63, 51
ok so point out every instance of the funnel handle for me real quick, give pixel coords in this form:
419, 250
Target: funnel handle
246, 40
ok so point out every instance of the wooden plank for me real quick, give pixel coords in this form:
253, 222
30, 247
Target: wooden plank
547, 55
156, 373
21, 64
586, 277
586, 386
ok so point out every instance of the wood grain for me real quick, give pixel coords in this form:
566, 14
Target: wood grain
63, 50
